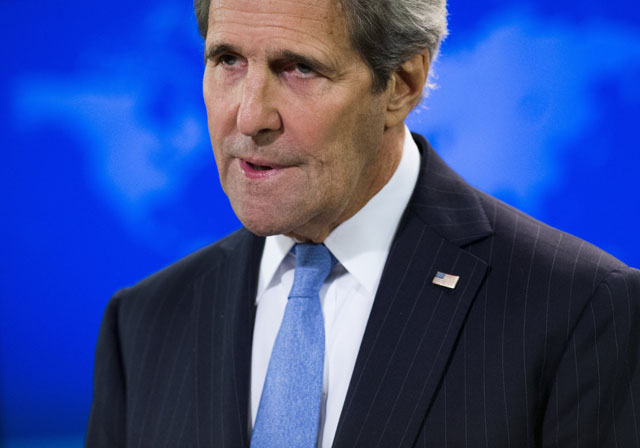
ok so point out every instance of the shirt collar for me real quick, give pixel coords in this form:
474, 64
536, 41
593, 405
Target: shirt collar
361, 244
276, 248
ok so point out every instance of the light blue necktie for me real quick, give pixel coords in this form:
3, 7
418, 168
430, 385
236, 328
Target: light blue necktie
289, 410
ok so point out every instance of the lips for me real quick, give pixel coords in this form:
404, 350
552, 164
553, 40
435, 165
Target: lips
258, 169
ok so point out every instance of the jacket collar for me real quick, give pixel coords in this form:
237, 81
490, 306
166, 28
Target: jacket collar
446, 203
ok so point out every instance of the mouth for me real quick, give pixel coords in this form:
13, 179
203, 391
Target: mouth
258, 169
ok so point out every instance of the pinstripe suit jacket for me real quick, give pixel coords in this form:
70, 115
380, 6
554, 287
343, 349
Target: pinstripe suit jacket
537, 346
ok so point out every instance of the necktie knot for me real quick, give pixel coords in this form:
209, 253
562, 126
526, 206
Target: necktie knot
313, 265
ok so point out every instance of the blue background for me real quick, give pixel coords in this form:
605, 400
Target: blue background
107, 173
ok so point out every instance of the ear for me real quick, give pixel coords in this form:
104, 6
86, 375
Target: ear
407, 84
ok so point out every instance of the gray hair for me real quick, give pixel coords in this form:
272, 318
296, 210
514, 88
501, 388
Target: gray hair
386, 33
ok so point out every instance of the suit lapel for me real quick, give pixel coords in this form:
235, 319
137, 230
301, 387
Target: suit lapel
224, 328
414, 324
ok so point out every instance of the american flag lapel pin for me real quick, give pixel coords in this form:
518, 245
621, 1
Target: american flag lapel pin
447, 280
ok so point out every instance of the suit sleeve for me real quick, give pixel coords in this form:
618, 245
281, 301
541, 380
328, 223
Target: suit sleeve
107, 419
595, 398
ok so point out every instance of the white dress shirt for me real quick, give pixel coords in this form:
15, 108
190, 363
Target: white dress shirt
361, 244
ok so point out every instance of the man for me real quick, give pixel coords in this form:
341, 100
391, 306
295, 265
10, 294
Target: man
448, 318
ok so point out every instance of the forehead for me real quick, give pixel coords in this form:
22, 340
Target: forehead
314, 23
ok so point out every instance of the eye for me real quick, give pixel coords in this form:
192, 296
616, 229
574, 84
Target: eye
300, 70
304, 69
228, 59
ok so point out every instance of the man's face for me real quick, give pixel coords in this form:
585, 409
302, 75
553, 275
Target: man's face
296, 132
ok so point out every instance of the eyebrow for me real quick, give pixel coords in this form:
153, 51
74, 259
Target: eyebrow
311, 62
277, 59
217, 49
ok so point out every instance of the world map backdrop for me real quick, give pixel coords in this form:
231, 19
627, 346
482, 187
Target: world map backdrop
107, 173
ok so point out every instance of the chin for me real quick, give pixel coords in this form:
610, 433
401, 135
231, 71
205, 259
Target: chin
265, 220
261, 230
263, 226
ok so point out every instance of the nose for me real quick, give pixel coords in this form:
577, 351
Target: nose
257, 112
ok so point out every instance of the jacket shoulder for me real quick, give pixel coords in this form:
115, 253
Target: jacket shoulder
531, 242
181, 274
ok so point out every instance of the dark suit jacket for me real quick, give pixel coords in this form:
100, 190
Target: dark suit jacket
538, 345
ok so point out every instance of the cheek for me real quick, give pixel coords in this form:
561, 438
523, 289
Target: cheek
328, 134
221, 108
318, 130
221, 122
